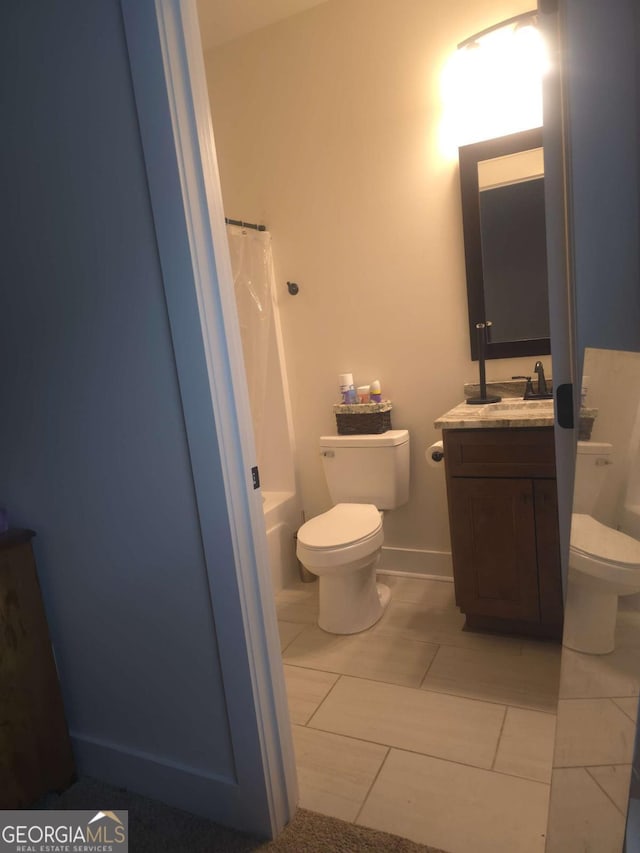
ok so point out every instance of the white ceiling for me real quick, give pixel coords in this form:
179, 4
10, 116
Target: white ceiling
224, 20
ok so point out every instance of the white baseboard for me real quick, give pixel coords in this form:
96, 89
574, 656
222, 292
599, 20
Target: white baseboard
391, 574
413, 561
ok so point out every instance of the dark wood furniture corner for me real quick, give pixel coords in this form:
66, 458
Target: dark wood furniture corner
503, 518
35, 751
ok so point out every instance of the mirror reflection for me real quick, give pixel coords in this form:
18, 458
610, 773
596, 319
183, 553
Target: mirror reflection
502, 187
600, 675
513, 242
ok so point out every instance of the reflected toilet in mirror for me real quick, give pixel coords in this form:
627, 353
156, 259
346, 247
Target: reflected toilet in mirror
604, 563
592, 789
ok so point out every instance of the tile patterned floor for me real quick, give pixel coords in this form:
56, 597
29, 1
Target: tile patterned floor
419, 728
595, 733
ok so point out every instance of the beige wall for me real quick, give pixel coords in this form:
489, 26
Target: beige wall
327, 130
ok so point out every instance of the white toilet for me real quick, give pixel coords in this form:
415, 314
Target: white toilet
365, 474
603, 563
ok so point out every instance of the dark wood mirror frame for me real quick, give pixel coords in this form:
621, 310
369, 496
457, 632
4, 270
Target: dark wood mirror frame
469, 157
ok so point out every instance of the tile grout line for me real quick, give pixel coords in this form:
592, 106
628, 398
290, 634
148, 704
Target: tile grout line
321, 703
612, 699
606, 793
293, 639
495, 755
373, 782
585, 766
600, 699
436, 640
429, 665
385, 749
633, 719
617, 707
389, 631
429, 755
421, 689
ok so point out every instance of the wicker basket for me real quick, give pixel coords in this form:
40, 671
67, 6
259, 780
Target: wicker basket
585, 423
363, 418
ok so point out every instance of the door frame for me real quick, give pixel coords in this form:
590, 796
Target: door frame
172, 101
561, 284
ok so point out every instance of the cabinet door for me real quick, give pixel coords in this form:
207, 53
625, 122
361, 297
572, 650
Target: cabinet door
493, 540
548, 546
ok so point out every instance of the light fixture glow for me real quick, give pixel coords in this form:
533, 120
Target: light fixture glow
492, 85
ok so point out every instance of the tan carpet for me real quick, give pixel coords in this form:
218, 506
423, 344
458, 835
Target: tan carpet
156, 827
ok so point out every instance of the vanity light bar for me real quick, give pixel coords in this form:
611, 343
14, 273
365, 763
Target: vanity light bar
528, 17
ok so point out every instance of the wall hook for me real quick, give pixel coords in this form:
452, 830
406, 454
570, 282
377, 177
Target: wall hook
293, 288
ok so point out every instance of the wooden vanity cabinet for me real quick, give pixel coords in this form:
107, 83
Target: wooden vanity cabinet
503, 518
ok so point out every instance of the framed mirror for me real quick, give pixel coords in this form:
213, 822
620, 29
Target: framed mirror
503, 218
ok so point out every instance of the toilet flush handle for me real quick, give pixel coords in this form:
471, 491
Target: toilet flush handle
327, 453
601, 460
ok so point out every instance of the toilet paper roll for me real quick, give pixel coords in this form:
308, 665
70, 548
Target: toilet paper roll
435, 454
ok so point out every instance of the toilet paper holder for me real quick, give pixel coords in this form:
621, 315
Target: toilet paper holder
434, 453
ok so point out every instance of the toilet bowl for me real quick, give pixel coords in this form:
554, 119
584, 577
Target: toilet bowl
603, 564
365, 473
342, 546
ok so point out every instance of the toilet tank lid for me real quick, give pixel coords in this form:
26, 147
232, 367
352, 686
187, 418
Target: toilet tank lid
391, 438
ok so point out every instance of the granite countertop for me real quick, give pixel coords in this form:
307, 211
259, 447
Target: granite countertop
530, 413
488, 416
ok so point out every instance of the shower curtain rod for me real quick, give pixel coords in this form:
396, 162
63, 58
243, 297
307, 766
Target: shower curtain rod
245, 224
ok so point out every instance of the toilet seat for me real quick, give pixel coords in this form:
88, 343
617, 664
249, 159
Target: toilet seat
594, 539
342, 525
343, 534
603, 564
599, 550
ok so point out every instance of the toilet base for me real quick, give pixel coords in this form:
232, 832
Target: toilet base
352, 602
590, 620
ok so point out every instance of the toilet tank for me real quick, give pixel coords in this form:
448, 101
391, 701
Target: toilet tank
592, 464
372, 469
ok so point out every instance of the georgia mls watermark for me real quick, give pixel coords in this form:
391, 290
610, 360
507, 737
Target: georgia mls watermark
64, 832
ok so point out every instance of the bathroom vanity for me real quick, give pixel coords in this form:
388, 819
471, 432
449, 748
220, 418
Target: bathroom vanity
503, 517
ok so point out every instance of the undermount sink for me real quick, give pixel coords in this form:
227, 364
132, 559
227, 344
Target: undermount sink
513, 408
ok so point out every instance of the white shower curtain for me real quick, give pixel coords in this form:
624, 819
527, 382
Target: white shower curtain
253, 278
